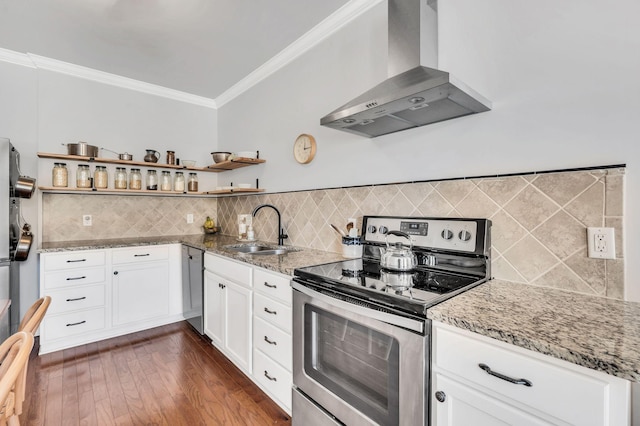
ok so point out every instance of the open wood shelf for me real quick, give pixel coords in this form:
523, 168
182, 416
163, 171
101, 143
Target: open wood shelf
234, 191
236, 163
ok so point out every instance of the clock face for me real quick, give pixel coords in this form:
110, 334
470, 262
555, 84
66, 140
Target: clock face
304, 148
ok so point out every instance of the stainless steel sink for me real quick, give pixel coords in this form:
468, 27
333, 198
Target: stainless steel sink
259, 249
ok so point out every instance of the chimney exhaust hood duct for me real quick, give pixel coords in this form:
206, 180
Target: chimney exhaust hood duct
414, 95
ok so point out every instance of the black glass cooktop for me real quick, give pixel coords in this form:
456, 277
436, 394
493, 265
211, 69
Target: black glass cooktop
409, 291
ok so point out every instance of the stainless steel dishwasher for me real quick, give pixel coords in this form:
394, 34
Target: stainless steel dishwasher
192, 286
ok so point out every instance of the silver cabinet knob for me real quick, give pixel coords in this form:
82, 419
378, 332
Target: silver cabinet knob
441, 396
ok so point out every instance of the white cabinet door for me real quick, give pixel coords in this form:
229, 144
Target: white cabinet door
462, 405
214, 308
238, 324
140, 291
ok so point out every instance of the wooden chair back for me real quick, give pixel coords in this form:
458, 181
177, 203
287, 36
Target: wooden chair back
32, 319
14, 356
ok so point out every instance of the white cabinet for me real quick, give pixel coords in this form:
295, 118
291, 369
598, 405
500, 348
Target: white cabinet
272, 342
140, 284
98, 294
228, 308
482, 381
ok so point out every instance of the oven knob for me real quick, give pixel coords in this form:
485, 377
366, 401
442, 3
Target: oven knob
447, 234
441, 396
383, 229
371, 229
464, 235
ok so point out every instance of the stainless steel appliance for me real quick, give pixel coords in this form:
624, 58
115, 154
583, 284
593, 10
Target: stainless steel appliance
361, 339
414, 94
192, 286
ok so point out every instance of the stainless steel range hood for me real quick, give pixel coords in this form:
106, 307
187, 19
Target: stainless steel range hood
415, 94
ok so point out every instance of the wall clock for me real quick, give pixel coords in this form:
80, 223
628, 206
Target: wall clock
304, 148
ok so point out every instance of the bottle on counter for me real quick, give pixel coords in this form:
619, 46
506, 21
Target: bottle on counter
83, 176
120, 178
60, 175
100, 177
135, 179
165, 181
152, 180
192, 185
178, 182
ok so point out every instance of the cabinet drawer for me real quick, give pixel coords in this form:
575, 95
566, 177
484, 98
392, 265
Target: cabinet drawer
75, 298
568, 392
274, 342
74, 259
275, 379
72, 324
73, 277
235, 271
272, 312
273, 285
140, 254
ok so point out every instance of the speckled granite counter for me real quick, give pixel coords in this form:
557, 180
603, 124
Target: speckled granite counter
284, 263
595, 332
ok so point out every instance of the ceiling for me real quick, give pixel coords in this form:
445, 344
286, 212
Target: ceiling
201, 47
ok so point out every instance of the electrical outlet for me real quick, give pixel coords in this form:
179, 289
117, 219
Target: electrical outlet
601, 243
86, 220
190, 218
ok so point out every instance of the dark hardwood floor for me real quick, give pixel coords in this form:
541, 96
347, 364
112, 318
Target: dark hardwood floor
164, 376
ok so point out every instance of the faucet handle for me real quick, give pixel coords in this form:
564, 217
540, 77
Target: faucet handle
283, 235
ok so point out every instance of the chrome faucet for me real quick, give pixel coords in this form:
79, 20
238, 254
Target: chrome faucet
281, 234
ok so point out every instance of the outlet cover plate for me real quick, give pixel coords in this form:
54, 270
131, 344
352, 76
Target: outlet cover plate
601, 243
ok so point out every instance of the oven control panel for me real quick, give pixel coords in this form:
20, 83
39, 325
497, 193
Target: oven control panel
434, 233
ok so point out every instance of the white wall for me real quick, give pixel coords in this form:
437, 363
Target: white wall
562, 78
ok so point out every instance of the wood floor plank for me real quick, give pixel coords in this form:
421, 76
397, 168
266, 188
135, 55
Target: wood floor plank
163, 376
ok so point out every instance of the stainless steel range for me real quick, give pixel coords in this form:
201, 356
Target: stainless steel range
361, 338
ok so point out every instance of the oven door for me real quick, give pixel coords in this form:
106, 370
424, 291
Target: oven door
361, 365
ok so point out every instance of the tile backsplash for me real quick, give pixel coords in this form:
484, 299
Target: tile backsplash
538, 234
121, 216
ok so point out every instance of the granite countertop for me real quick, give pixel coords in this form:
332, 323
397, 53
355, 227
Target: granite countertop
595, 332
283, 263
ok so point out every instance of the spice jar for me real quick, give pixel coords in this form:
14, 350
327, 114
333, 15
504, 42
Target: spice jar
152, 180
83, 176
135, 179
171, 157
120, 178
165, 181
60, 175
178, 182
192, 185
100, 177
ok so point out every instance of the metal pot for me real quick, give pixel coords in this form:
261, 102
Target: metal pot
24, 244
82, 149
398, 258
126, 156
25, 187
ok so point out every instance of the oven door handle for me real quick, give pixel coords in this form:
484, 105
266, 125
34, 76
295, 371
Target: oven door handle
388, 318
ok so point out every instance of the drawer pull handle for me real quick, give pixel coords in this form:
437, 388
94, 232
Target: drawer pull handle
76, 260
270, 312
142, 255
266, 284
76, 299
76, 278
266, 374
271, 342
75, 323
524, 382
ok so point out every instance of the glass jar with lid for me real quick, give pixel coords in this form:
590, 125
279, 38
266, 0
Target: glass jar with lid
152, 180
100, 177
120, 178
192, 185
60, 175
135, 179
178, 182
83, 176
165, 181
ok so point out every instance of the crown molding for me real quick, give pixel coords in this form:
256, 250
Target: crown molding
324, 29
17, 58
